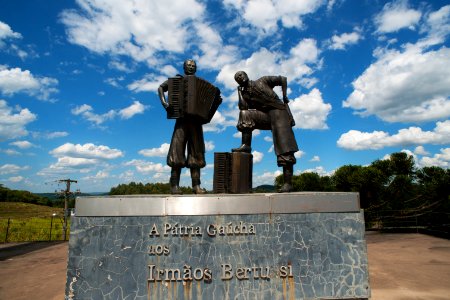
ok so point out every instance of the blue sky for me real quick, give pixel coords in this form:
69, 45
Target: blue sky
78, 82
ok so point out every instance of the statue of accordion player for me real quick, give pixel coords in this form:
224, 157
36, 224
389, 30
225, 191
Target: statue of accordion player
192, 102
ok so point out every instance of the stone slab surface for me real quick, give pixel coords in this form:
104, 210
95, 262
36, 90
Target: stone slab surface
402, 266
217, 204
323, 255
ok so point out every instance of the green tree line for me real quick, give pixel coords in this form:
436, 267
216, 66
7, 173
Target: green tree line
8, 195
394, 187
134, 188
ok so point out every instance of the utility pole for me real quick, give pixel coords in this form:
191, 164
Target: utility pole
66, 193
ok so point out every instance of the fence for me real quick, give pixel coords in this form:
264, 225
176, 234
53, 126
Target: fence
32, 229
436, 223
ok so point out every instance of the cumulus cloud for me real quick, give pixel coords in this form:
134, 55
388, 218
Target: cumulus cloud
296, 65
357, 140
15, 80
266, 178
146, 167
124, 28
77, 158
266, 14
13, 121
411, 85
340, 42
315, 158
156, 152
299, 154
441, 159
7, 33
209, 145
87, 112
12, 168
310, 111
134, 109
50, 135
397, 15
88, 150
257, 157
420, 150
22, 144
98, 176
16, 179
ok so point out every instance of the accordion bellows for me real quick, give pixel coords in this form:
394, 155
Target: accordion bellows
232, 173
192, 97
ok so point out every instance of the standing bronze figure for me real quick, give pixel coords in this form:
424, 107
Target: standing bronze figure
192, 102
261, 108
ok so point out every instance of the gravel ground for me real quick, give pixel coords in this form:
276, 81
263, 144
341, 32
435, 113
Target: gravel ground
402, 267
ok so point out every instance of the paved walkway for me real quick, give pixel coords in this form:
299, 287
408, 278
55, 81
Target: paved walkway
402, 267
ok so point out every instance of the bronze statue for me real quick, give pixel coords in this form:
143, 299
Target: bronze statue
192, 102
261, 108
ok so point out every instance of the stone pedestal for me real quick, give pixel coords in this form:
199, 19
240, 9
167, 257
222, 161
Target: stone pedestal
252, 246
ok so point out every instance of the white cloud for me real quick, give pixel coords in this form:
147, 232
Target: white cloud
310, 111
134, 109
49, 135
340, 42
265, 14
13, 121
257, 157
404, 86
16, 179
98, 176
12, 168
266, 178
268, 139
296, 65
420, 150
10, 152
209, 145
149, 83
146, 167
156, 152
438, 25
22, 144
357, 140
15, 80
315, 158
441, 159
299, 154
125, 27
397, 15
88, 150
86, 111
319, 170
77, 158
7, 33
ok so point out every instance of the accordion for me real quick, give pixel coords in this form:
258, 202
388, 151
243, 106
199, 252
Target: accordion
192, 97
232, 173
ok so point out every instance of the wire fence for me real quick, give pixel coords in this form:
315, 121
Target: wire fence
32, 229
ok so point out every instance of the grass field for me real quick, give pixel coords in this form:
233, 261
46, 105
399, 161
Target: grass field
23, 222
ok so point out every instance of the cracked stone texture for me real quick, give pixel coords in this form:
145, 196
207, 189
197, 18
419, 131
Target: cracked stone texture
108, 257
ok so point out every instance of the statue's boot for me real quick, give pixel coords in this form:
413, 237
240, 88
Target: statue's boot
246, 143
288, 172
175, 181
195, 176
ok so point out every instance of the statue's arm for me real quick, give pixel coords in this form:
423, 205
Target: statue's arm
284, 89
164, 87
243, 105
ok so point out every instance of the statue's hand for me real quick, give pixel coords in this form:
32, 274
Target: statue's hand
285, 99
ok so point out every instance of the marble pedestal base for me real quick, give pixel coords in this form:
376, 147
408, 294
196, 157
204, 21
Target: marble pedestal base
253, 246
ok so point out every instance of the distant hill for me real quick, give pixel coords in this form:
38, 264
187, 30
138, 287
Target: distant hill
265, 188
